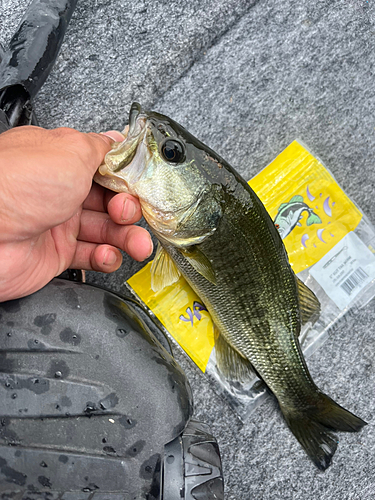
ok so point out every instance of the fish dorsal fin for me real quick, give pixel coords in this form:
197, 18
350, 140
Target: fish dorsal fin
231, 364
163, 270
282, 206
295, 198
200, 262
309, 304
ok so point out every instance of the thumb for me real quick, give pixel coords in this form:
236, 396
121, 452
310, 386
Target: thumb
115, 135
99, 146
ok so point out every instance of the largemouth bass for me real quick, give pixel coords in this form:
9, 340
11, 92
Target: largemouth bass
214, 230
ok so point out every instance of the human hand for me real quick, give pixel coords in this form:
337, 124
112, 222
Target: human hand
52, 217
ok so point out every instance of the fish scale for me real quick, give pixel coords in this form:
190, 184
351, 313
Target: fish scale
237, 299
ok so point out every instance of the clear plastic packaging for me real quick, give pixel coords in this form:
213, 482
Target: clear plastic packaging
331, 247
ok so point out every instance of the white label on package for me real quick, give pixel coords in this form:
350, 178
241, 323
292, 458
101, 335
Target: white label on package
345, 270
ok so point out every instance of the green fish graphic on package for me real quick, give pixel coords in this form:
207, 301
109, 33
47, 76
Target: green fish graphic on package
290, 214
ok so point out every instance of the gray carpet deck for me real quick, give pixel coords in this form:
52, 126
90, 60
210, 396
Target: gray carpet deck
247, 78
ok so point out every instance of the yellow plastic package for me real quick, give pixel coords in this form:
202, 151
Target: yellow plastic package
330, 244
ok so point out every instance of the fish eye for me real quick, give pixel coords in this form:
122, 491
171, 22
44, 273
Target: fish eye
173, 151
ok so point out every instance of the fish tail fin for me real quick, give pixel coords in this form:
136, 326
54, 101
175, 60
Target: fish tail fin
313, 219
312, 427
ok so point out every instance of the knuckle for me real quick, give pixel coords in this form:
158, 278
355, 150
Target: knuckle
64, 132
104, 230
128, 239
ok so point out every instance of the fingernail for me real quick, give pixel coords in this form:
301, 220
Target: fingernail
114, 135
109, 258
128, 210
151, 248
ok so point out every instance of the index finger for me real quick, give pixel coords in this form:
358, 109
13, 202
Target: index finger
98, 198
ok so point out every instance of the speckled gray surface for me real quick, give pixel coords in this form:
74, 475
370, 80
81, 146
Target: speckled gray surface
247, 78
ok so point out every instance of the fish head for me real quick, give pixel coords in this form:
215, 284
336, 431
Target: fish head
170, 172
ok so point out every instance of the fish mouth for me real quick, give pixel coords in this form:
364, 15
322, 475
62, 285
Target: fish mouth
123, 153
124, 165
137, 120
135, 111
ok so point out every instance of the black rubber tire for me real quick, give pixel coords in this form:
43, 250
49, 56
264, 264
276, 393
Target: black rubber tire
89, 397
192, 466
86, 416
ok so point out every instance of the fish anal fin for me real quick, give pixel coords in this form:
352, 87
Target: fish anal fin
230, 363
163, 270
309, 304
313, 218
200, 262
312, 427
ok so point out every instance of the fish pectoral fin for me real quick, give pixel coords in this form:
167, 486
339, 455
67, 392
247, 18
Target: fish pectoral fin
231, 364
313, 424
313, 219
163, 270
200, 262
309, 304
